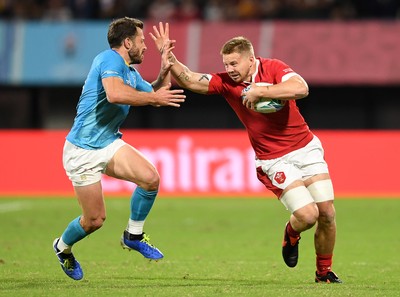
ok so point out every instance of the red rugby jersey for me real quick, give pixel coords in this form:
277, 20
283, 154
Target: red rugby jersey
272, 135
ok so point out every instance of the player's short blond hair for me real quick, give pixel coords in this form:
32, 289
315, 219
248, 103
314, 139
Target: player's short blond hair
239, 45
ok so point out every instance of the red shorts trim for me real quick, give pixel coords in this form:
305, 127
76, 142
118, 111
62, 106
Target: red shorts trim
262, 177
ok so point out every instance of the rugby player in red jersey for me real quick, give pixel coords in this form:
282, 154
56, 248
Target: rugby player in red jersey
289, 158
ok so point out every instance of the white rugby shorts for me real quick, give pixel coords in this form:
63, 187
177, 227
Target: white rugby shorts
277, 174
85, 167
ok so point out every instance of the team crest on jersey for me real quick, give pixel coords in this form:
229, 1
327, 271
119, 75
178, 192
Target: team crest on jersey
280, 177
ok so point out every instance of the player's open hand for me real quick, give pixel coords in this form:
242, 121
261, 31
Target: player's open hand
167, 97
166, 56
160, 36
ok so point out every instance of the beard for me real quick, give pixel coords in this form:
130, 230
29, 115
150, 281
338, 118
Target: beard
136, 56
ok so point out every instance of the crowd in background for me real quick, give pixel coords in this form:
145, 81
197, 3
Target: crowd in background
208, 10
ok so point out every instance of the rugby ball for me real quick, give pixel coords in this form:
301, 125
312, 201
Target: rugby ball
265, 105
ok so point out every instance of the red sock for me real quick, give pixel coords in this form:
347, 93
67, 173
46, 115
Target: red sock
324, 263
293, 234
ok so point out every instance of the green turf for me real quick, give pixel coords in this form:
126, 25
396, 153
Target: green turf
212, 247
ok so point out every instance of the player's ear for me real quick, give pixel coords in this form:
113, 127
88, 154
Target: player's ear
251, 59
127, 43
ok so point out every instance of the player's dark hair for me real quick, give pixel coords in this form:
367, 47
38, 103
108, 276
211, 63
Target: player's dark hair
237, 44
122, 28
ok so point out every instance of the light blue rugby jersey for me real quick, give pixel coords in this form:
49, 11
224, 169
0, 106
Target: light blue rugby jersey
97, 122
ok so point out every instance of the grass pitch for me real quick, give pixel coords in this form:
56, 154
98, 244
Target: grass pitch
212, 247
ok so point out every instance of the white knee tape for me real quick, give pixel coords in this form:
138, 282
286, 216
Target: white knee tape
296, 198
321, 190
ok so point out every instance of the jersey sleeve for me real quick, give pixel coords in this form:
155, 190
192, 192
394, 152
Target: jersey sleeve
216, 83
142, 85
110, 65
280, 70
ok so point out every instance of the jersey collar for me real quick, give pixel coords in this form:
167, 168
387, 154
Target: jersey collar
130, 66
253, 76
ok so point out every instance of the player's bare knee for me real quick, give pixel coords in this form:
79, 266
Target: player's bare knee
308, 219
312, 218
326, 218
93, 224
327, 213
307, 216
151, 181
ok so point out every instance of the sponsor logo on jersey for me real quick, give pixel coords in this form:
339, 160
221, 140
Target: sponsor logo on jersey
110, 72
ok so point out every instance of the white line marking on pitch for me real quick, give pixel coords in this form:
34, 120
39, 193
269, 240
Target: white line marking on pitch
12, 206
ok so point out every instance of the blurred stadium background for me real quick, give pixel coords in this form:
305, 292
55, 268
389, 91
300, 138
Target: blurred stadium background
347, 50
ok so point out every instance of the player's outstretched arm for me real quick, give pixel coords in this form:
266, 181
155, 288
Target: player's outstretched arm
120, 93
185, 78
193, 81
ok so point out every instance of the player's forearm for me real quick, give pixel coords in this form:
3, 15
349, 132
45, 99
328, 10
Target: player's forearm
180, 72
188, 79
130, 96
294, 88
163, 79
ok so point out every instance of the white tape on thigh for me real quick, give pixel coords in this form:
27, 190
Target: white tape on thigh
296, 198
321, 190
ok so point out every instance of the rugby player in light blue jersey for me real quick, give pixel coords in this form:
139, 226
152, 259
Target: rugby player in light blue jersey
94, 146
